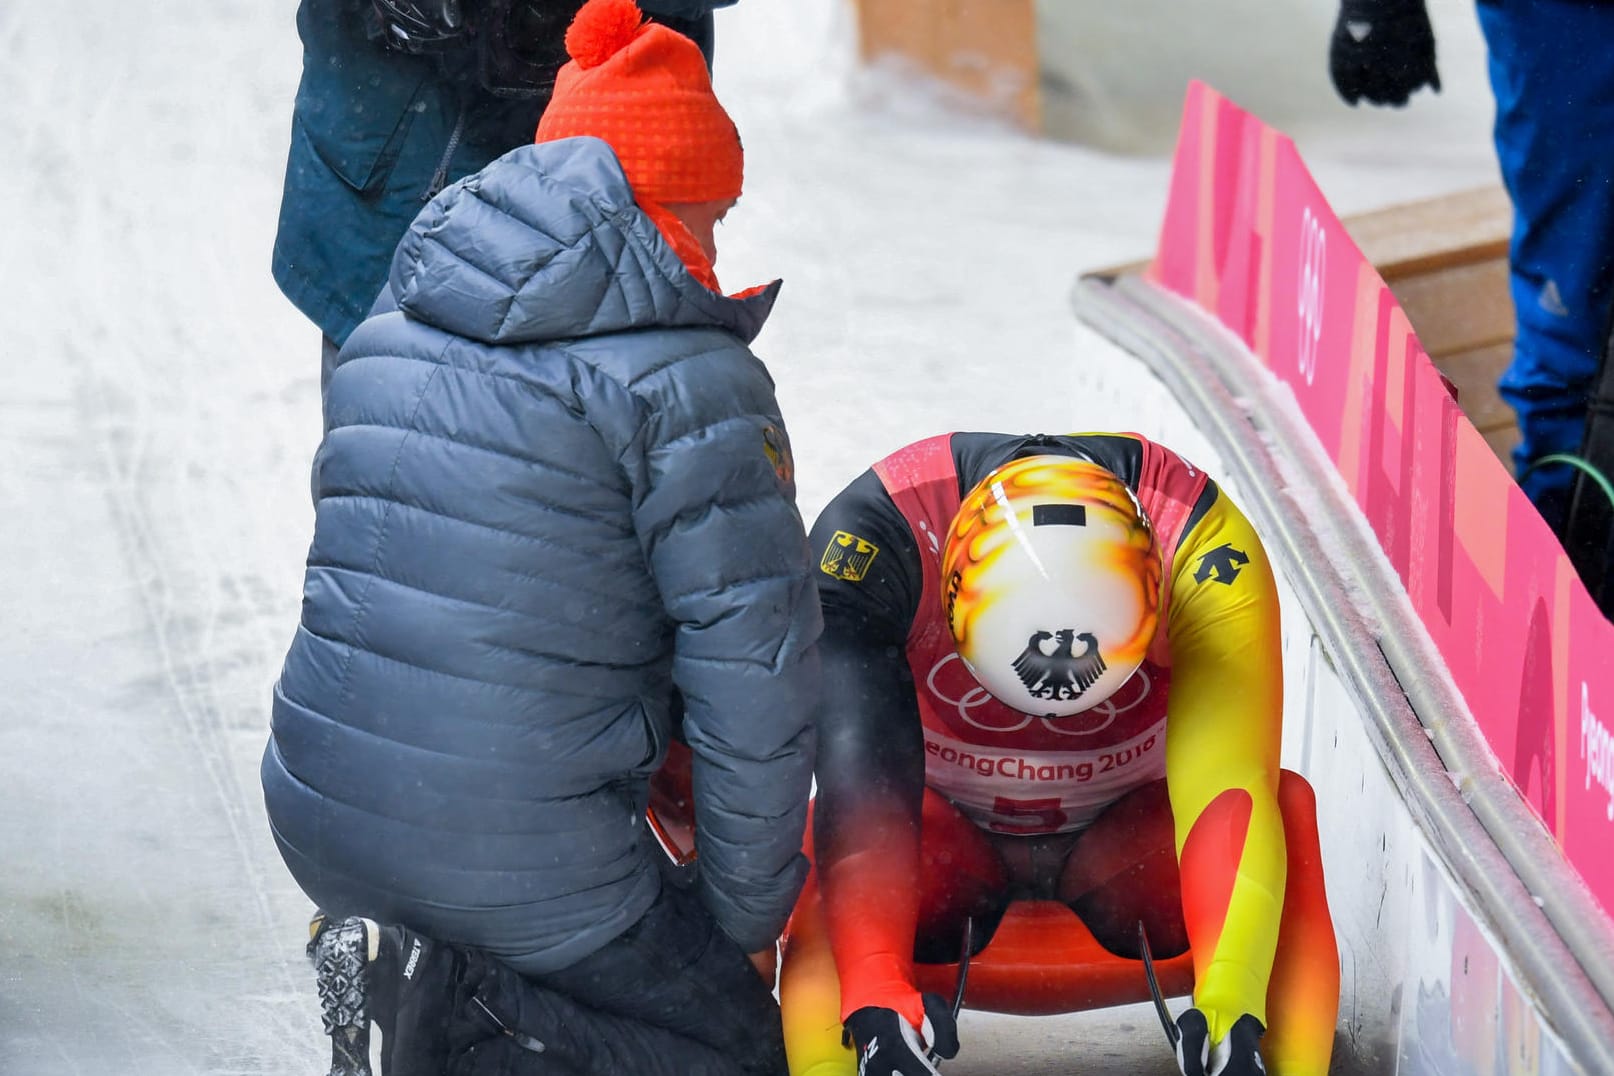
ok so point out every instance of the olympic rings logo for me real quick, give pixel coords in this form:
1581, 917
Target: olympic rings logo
1129, 697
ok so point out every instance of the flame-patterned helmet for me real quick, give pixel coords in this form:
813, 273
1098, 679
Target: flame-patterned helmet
1051, 580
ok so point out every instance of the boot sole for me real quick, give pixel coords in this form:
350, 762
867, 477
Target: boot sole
341, 973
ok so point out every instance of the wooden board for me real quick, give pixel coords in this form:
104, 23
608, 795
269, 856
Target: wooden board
986, 48
1446, 261
1459, 307
1418, 237
1502, 442
1474, 372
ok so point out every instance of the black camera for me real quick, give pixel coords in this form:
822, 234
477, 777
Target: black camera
514, 47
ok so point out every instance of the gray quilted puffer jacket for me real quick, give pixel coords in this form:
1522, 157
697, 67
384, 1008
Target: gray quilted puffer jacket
554, 507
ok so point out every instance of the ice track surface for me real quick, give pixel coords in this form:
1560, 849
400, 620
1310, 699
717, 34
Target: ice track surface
161, 407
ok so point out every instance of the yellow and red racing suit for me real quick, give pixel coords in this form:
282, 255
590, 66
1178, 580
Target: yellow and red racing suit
903, 714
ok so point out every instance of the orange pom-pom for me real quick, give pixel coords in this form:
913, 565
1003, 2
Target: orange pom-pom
601, 29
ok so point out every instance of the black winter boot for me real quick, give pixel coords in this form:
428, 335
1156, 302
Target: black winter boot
404, 983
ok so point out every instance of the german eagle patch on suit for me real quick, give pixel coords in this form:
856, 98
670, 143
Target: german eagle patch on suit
848, 557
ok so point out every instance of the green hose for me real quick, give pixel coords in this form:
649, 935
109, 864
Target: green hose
1580, 465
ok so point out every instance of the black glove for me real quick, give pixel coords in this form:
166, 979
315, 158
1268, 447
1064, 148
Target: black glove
1238, 1054
415, 26
887, 1045
1382, 51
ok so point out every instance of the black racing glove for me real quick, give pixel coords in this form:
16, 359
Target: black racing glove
887, 1045
1382, 51
1238, 1054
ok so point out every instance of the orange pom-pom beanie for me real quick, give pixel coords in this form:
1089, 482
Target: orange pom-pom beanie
645, 90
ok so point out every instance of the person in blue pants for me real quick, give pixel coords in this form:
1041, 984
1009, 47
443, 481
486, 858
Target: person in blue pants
1552, 73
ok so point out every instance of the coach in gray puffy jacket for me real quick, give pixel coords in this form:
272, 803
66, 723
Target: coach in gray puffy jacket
555, 527
554, 503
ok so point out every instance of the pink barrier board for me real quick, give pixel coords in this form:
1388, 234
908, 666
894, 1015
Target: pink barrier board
1248, 238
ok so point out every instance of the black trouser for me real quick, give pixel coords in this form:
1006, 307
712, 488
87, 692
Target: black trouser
672, 996
1589, 524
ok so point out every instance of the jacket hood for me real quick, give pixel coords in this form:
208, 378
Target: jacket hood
547, 243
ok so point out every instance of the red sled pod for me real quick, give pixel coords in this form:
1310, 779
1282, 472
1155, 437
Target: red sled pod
1042, 960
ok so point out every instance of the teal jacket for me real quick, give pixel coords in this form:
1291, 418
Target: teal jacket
375, 134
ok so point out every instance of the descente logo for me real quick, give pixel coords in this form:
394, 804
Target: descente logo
1597, 748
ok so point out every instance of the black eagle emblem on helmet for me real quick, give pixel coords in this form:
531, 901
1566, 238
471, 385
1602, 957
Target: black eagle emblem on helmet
1063, 674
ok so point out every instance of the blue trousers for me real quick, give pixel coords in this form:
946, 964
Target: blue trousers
1552, 71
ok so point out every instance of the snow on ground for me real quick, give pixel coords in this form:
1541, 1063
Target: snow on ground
160, 410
